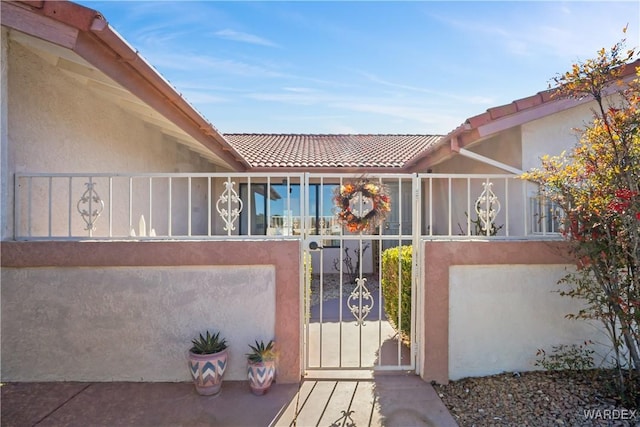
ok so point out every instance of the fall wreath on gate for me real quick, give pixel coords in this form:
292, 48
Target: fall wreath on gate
353, 219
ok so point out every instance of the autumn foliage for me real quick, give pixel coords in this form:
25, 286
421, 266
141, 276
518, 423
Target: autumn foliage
596, 185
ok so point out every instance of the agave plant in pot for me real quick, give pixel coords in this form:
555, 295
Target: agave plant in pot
207, 363
261, 366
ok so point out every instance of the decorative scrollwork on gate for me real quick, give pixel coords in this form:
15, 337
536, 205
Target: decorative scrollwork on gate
90, 206
360, 293
229, 206
487, 207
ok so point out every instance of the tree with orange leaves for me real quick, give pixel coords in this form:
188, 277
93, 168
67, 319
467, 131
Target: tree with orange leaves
597, 186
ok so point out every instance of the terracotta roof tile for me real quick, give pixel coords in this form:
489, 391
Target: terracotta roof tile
502, 110
532, 101
468, 131
528, 102
329, 151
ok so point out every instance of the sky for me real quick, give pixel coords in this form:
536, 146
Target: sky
329, 67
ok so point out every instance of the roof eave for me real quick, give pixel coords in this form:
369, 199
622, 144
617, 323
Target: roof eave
89, 35
498, 119
322, 169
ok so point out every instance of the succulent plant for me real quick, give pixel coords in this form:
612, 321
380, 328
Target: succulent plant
261, 352
208, 344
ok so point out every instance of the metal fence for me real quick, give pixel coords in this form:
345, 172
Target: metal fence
240, 206
485, 206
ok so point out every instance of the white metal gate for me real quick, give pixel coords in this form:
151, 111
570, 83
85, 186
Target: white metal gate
347, 324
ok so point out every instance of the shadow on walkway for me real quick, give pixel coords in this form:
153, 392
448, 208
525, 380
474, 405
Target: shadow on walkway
382, 401
385, 400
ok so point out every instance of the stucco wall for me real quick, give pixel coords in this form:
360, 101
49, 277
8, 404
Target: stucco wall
57, 125
436, 322
500, 315
552, 134
129, 324
6, 215
127, 310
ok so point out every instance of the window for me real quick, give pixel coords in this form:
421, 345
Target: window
546, 217
279, 213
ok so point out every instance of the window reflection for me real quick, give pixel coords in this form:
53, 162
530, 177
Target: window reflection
279, 214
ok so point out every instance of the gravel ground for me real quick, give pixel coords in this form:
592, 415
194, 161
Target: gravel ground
559, 398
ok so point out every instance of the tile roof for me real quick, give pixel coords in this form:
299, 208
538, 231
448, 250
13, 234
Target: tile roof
506, 116
329, 151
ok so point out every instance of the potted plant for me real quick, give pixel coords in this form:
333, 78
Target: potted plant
261, 367
207, 363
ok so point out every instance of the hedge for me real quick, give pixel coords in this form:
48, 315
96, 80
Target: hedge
391, 286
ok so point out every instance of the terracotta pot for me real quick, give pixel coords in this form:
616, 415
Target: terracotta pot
261, 375
207, 371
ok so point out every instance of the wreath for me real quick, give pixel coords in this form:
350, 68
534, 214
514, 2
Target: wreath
346, 193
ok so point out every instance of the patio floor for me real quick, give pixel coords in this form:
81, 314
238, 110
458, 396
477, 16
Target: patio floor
386, 400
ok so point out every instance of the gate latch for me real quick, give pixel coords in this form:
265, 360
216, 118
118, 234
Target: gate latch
315, 246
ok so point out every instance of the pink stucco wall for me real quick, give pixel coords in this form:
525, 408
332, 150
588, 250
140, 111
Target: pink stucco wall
438, 256
284, 255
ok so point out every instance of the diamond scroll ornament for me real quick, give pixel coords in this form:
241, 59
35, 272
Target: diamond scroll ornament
355, 301
487, 206
229, 206
90, 206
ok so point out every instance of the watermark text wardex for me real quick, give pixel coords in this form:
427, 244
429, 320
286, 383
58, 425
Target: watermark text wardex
610, 414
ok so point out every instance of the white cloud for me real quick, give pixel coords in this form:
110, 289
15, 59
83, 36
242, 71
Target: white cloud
434, 119
472, 99
299, 89
238, 36
193, 63
565, 30
289, 98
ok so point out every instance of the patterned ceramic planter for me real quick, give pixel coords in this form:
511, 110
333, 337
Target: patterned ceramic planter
261, 375
207, 371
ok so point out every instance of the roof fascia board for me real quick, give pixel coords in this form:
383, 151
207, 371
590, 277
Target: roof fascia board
529, 115
338, 170
446, 148
548, 108
25, 21
480, 127
432, 158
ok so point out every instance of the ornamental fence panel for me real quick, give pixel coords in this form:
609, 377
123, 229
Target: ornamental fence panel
356, 317
240, 206
156, 206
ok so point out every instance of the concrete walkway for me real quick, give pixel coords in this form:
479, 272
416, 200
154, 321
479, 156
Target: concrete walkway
383, 401
336, 340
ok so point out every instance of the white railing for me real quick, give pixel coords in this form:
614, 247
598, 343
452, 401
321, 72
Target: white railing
239, 206
154, 206
485, 206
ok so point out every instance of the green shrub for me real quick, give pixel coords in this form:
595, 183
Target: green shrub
572, 357
391, 286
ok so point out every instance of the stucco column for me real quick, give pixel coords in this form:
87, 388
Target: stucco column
6, 214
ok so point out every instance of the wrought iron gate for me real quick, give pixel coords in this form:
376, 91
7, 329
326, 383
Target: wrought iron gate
360, 287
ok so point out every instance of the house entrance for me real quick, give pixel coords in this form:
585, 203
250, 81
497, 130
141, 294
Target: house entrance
359, 276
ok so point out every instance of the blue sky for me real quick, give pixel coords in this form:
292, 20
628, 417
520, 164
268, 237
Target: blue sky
363, 67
